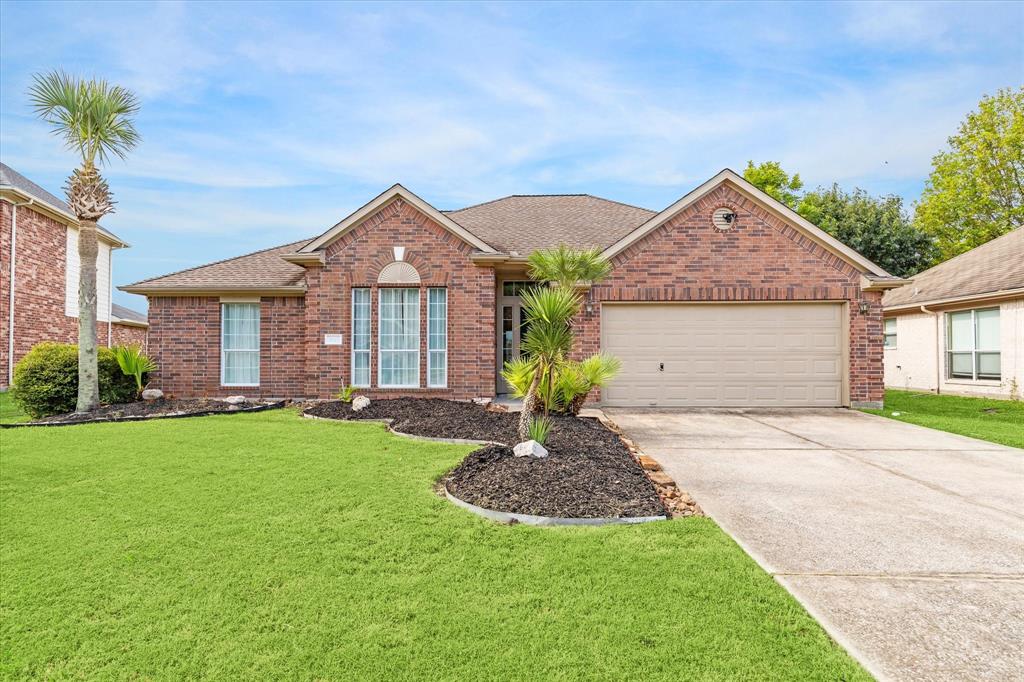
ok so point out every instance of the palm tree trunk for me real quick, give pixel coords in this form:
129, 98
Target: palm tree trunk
88, 375
529, 402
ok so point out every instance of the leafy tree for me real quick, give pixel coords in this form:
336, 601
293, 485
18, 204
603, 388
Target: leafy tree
976, 189
876, 227
95, 121
775, 182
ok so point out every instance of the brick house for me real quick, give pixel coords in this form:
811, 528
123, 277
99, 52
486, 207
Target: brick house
39, 275
725, 298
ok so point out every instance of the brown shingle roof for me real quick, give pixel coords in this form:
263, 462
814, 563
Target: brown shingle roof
264, 269
525, 223
992, 267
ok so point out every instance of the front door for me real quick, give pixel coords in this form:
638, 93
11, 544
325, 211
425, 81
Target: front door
511, 326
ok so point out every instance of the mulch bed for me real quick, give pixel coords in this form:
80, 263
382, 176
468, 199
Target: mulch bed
588, 473
151, 409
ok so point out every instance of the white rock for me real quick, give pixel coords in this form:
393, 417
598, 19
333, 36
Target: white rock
360, 402
152, 394
235, 400
896, 414
482, 401
530, 448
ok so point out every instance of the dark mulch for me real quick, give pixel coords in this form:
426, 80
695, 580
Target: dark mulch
145, 409
588, 473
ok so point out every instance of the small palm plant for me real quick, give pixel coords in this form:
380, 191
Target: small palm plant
346, 393
549, 338
134, 363
95, 121
578, 379
539, 429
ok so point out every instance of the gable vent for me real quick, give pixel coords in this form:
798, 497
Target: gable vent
398, 272
723, 218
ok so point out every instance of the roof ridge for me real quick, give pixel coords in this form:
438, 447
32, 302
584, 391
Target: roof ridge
552, 194
218, 262
969, 251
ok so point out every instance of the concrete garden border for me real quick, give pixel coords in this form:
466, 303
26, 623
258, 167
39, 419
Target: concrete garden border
411, 436
534, 520
148, 417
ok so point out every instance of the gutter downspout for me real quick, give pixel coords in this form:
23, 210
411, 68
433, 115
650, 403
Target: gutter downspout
110, 296
938, 352
10, 289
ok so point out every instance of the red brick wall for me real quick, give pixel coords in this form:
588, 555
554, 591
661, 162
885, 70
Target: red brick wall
39, 290
127, 335
760, 259
294, 362
442, 260
184, 341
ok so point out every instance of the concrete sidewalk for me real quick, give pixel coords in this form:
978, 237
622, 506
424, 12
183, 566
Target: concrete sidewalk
905, 542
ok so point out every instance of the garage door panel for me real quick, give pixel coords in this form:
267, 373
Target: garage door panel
725, 354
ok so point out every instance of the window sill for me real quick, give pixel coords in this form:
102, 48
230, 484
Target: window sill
239, 385
974, 382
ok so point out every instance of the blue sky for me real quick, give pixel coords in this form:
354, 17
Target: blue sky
266, 123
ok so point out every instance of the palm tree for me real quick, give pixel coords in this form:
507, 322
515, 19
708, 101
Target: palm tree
550, 312
95, 121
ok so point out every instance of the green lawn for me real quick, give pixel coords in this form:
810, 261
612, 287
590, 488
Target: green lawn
267, 546
9, 410
998, 421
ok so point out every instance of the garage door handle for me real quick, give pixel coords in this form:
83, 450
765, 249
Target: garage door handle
661, 366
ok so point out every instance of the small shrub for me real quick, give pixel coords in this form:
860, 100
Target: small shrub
346, 394
46, 380
539, 428
134, 363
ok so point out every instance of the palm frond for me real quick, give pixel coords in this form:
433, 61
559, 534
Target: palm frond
568, 267
92, 117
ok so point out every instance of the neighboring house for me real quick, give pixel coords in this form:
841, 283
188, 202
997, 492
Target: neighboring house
726, 297
39, 275
959, 327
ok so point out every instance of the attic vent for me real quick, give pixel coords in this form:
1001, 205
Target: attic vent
723, 218
398, 272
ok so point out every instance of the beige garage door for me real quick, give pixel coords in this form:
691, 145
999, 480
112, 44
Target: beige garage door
727, 355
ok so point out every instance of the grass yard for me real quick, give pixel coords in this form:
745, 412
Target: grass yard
998, 421
10, 413
267, 546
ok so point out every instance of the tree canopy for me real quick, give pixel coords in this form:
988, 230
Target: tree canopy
770, 178
976, 189
876, 227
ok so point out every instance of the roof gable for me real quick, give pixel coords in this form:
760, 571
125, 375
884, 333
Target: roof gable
394, 192
790, 216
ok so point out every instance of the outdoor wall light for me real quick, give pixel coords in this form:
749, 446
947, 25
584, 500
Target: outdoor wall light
864, 307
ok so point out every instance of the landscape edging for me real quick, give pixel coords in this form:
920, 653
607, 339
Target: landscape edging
412, 436
535, 520
149, 417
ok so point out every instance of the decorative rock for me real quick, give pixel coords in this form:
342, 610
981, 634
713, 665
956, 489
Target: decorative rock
360, 402
530, 448
660, 478
482, 401
235, 400
152, 394
649, 463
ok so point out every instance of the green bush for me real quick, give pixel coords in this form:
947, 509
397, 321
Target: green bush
46, 380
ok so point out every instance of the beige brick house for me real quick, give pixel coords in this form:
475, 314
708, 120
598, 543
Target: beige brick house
724, 298
39, 275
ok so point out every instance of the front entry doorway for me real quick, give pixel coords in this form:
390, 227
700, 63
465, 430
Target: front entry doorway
511, 326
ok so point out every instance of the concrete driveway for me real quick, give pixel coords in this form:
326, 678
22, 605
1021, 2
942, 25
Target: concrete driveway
905, 542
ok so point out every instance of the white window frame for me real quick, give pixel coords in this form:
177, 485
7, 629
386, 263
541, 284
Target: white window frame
369, 349
886, 333
380, 331
224, 352
974, 350
432, 351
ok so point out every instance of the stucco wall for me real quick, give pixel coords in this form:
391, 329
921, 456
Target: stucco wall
912, 364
